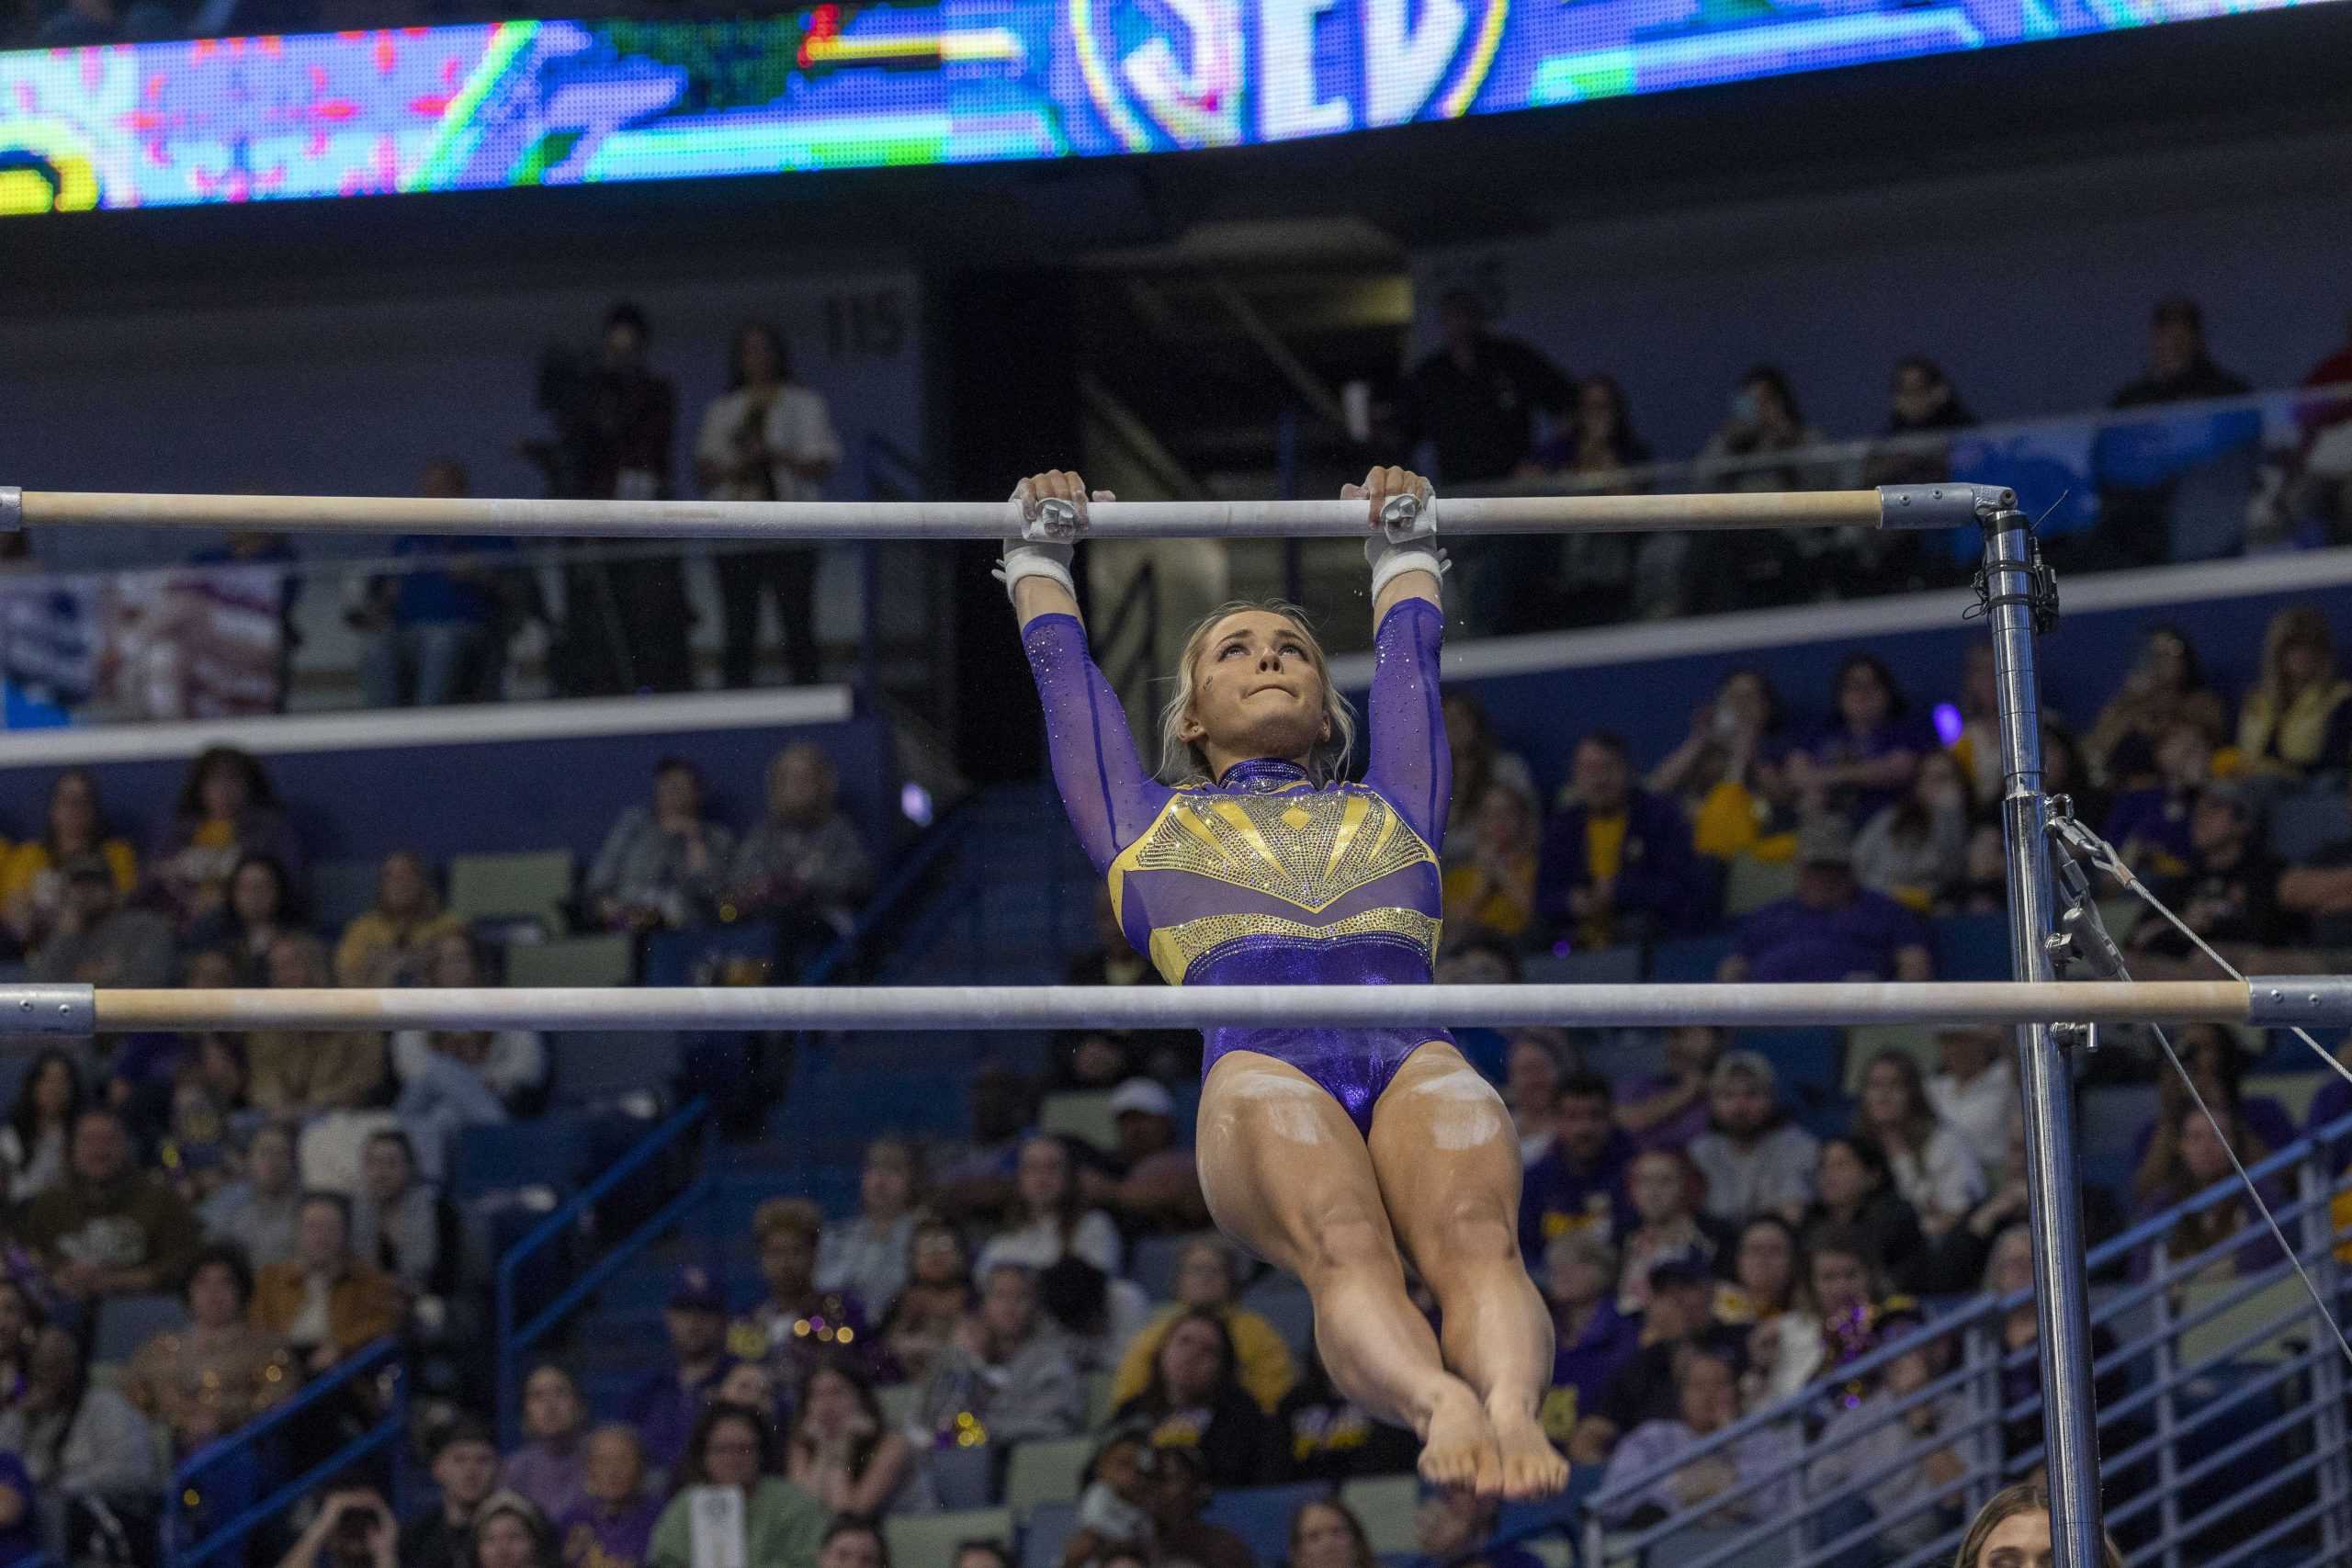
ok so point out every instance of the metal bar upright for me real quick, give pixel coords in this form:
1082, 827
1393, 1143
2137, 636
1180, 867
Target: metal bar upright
2061, 1303
2327, 1374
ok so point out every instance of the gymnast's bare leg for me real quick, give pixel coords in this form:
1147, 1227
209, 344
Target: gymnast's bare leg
1288, 1175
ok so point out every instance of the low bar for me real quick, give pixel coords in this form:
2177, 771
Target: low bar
869, 1008
840, 520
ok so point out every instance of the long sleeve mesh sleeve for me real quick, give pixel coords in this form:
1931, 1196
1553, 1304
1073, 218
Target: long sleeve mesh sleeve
1409, 764
1109, 796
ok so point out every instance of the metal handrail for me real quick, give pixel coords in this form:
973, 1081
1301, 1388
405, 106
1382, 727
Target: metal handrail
181, 1488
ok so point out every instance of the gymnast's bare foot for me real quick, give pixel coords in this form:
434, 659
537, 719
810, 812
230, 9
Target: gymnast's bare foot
1458, 1449
1531, 1467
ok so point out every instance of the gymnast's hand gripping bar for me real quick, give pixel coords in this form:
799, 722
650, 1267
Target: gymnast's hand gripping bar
2274, 1001
1890, 506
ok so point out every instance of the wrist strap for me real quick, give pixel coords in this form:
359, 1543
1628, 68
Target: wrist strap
1028, 560
1398, 559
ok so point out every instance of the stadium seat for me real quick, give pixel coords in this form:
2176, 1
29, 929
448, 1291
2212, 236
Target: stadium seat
1098, 1398
2283, 1303
1043, 1531
125, 1323
2113, 1116
1283, 1301
1080, 1114
1750, 883
1261, 1515
604, 960
1152, 1264
1810, 1062
534, 884
900, 1402
1971, 947
1916, 1040
550, 1152
964, 1478
1046, 1472
1687, 960
932, 1537
1385, 1504
341, 890
594, 1067
1600, 966
2300, 825
2295, 1092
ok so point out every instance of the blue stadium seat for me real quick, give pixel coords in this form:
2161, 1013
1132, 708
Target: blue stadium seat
2113, 1116
125, 1323
1599, 966
550, 1152
1261, 1515
1973, 947
1689, 960
2302, 824
1811, 1062
595, 1067
965, 1478
1152, 1265
1282, 1301
341, 890
1043, 1533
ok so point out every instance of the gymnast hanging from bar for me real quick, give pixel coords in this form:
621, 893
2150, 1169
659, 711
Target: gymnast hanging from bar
1339, 1154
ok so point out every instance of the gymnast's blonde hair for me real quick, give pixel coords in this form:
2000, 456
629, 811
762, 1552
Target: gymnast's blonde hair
1185, 764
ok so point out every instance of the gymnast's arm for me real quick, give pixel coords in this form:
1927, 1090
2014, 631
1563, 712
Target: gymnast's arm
1408, 762
1109, 795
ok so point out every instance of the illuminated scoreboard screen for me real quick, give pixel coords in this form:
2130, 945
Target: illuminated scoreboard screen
839, 87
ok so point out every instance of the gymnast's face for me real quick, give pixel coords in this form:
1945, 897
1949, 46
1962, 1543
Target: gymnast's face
1257, 690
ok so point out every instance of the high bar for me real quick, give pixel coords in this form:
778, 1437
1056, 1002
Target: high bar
80, 1010
1894, 506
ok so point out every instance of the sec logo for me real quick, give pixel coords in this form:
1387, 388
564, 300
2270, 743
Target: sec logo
1186, 73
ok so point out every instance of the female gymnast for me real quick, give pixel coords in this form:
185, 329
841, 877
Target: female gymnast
1337, 1154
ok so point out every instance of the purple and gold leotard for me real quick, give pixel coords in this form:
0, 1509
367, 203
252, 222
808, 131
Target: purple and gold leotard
1261, 878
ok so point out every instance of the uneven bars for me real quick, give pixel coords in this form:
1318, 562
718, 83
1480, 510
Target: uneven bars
1892, 506
80, 1010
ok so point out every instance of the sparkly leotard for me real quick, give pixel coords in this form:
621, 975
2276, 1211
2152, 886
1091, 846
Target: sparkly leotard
1261, 878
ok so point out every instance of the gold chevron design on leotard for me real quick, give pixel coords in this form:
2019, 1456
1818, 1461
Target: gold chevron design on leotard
1308, 848
1175, 949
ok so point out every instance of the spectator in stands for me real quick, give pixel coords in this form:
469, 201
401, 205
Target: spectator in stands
80, 1439
1475, 401
2228, 894
1922, 411
854, 1540
1618, 865
1456, 1529
1864, 758
1765, 1307
2063, 771
866, 1257
259, 1213
1874, 1438
1592, 1340
2318, 888
665, 865
627, 623
732, 1446
1975, 1090
109, 1229
1489, 887
226, 811
938, 1293
219, 1372
797, 1327
1935, 1170
1681, 1312
95, 940
1150, 1185
805, 859
2150, 826
305, 1072
1322, 1434
1480, 765
1195, 1399
613, 1525
1833, 928
2141, 470
1578, 1183
1182, 1476
2295, 722
353, 1528
452, 1079
550, 1468
1764, 1265
1325, 1533
2014, 1528
1049, 1215
1668, 1111
1850, 1311
195, 1149
1100, 1312
1115, 1503
2193, 1159
1755, 1158
509, 1531
1728, 774
766, 438
258, 911
465, 1468
2164, 689
1859, 1191
1007, 1373
23, 1301
1665, 1190
1706, 1395
40, 1124
1530, 1087
1916, 851
2217, 1057
842, 1451
1207, 1280
32, 874
1765, 423
323, 1300
982, 1554
431, 635
393, 942
2009, 1273
1600, 453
